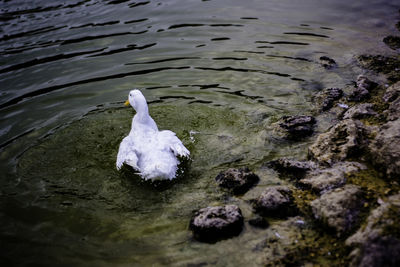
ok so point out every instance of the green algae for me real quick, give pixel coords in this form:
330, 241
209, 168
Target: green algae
298, 243
71, 177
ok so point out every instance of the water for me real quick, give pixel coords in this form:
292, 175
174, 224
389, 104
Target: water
225, 70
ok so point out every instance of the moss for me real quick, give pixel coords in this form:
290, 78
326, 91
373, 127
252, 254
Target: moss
392, 223
315, 248
302, 199
373, 183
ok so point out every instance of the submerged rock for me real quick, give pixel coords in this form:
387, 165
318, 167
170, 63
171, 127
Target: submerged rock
238, 181
378, 243
342, 141
339, 209
381, 64
275, 201
214, 223
259, 222
292, 242
392, 41
322, 181
326, 98
293, 168
385, 149
360, 111
297, 127
327, 62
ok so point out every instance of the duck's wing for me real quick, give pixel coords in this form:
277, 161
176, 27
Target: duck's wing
172, 142
127, 154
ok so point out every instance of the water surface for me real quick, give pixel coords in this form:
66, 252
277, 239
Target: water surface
218, 73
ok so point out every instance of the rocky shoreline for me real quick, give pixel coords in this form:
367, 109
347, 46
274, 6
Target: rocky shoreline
349, 185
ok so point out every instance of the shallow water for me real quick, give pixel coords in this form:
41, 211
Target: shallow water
218, 73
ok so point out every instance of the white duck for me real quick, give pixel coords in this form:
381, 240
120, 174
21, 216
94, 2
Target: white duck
151, 152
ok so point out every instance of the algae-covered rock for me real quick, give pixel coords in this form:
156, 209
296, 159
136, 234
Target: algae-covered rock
238, 181
362, 90
297, 127
392, 92
327, 62
392, 96
324, 180
360, 111
342, 141
339, 209
378, 243
213, 223
294, 242
392, 41
326, 98
385, 149
393, 112
292, 168
275, 201
381, 64
377, 252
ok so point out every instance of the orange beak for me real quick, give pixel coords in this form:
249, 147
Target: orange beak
126, 103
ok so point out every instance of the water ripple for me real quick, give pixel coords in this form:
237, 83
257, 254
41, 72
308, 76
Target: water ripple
306, 34
85, 81
120, 50
43, 60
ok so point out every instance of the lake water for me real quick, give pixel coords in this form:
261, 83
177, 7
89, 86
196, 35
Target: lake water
218, 73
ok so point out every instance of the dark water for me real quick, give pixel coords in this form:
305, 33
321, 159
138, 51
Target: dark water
218, 73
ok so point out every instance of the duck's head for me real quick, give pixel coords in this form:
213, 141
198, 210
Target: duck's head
136, 100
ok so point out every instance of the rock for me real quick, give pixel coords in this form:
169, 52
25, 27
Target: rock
378, 243
392, 41
392, 93
339, 209
259, 222
360, 111
238, 181
342, 141
385, 149
214, 223
327, 97
380, 251
328, 63
322, 181
297, 127
289, 242
362, 90
381, 64
393, 112
364, 82
392, 96
275, 201
293, 168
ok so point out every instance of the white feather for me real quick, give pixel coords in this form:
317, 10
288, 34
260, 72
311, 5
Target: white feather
151, 152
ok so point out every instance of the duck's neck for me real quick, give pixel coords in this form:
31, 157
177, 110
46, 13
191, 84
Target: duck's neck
143, 119
142, 112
